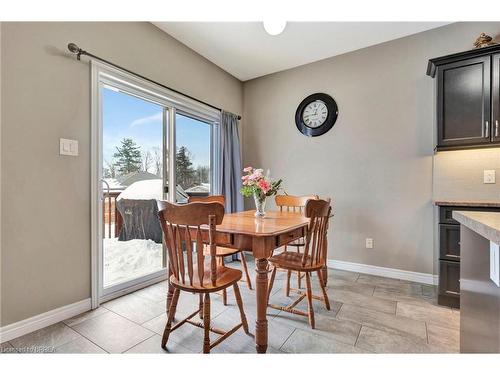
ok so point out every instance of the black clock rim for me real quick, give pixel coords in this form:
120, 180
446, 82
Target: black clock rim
330, 119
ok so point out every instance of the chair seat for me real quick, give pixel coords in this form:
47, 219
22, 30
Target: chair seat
221, 251
293, 261
225, 278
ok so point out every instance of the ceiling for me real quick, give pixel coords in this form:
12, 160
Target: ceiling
246, 51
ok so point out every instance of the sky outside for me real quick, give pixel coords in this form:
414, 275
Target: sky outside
125, 116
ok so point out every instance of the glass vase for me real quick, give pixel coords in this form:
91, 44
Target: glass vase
260, 204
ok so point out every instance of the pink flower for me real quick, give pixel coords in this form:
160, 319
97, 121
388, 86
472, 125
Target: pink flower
256, 175
264, 185
247, 169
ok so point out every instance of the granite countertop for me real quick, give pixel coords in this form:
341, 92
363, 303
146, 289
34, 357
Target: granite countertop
487, 224
479, 203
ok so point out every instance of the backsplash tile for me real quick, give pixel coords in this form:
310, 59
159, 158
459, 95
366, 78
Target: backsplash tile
458, 175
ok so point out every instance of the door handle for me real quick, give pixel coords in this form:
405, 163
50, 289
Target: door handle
487, 129
496, 128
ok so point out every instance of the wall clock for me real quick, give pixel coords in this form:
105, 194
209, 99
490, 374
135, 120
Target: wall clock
316, 114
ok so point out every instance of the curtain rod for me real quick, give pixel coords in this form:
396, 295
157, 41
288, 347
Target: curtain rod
73, 48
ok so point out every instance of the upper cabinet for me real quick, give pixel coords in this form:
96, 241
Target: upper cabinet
468, 98
495, 96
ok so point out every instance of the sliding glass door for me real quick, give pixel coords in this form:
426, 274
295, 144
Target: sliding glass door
150, 145
193, 157
132, 177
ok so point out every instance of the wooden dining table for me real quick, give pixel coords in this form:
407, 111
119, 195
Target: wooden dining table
261, 236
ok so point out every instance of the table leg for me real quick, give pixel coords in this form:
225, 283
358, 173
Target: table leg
261, 292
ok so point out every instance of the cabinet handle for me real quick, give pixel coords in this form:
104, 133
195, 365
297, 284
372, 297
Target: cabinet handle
496, 128
487, 129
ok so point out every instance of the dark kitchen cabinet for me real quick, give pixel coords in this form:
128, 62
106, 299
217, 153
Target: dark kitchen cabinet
449, 251
468, 103
495, 96
449, 283
449, 242
463, 95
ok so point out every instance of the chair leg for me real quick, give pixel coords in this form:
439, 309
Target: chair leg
323, 290
309, 300
206, 323
171, 314
200, 306
287, 287
271, 282
239, 302
224, 292
245, 269
324, 273
299, 280
224, 297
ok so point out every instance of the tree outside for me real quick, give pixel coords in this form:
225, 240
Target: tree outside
128, 157
185, 173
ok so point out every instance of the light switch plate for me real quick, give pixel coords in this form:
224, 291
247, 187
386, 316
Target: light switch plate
495, 263
68, 147
489, 176
369, 243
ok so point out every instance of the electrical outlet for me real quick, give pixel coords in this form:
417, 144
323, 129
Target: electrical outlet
489, 176
369, 243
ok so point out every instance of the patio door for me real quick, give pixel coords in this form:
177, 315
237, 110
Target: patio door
148, 144
134, 176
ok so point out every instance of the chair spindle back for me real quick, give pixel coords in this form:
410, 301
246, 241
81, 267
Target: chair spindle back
291, 203
181, 225
315, 249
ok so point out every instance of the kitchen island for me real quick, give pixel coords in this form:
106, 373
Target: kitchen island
479, 294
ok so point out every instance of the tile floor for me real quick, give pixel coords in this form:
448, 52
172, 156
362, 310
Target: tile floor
369, 314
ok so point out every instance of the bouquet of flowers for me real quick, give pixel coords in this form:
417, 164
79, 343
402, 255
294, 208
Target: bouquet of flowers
259, 186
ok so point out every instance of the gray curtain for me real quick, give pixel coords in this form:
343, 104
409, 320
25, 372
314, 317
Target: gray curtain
231, 162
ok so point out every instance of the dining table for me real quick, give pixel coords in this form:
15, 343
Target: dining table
261, 236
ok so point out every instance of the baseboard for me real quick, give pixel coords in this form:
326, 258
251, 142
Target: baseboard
23, 327
393, 273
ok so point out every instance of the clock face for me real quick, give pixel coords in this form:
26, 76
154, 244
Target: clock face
315, 114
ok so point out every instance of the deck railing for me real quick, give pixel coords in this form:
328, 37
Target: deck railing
112, 220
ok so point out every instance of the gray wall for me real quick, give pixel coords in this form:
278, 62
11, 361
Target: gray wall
46, 95
377, 161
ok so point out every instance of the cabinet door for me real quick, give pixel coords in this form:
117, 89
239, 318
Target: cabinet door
449, 284
449, 278
449, 242
464, 107
495, 98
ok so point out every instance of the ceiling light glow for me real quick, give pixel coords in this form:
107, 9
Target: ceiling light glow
274, 27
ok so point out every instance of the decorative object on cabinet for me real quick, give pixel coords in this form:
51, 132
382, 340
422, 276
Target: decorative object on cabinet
316, 114
468, 98
483, 40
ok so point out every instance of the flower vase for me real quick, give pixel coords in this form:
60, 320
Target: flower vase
260, 205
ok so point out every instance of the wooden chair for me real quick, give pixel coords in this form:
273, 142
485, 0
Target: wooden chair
222, 252
311, 260
189, 272
291, 203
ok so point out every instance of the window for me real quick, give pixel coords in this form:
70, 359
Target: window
193, 144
